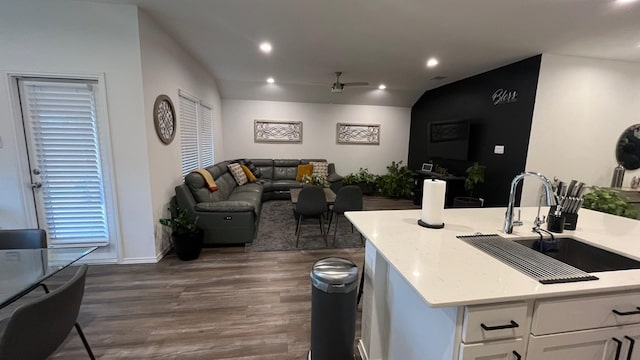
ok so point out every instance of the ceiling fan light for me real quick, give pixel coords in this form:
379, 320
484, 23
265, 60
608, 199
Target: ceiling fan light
432, 62
265, 47
382, 86
271, 80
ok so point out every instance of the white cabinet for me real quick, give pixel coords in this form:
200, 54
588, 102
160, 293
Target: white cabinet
508, 350
613, 343
495, 322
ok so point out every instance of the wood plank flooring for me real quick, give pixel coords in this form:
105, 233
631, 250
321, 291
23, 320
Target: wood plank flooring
228, 304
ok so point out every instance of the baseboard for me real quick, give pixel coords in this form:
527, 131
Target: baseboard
163, 253
140, 260
362, 351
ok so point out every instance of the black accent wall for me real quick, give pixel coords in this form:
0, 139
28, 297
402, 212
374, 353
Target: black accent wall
507, 124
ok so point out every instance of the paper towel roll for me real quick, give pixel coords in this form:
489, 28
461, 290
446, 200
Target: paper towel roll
433, 202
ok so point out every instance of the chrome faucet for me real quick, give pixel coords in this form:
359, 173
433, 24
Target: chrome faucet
548, 189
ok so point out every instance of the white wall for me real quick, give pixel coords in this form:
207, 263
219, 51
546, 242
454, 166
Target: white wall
319, 133
70, 37
166, 67
582, 107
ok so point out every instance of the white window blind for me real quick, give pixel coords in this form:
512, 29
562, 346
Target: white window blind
188, 134
196, 133
206, 135
60, 118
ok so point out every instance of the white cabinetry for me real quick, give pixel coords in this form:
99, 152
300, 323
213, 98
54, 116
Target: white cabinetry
612, 343
508, 350
596, 327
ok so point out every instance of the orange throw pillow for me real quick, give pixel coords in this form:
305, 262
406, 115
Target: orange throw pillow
304, 170
249, 174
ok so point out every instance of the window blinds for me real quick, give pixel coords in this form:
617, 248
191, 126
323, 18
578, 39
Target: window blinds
64, 148
196, 133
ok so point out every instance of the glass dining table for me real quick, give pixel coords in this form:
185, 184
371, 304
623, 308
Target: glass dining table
22, 270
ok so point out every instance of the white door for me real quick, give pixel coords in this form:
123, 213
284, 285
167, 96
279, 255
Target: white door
65, 162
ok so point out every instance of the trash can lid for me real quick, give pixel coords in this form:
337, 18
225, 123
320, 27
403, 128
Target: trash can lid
334, 271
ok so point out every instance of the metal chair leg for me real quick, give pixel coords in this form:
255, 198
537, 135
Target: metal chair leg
335, 229
326, 242
84, 341
46, 289
330, 219
299, 230
320, 223
361, 286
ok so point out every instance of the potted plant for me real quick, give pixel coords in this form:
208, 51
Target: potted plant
364, 179
609, 201
397, 182
315, 180
185, 234
475, 176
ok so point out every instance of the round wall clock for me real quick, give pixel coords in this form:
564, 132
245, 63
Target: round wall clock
164, 119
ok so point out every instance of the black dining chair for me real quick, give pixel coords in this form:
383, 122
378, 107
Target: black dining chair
311, 203
36, 329
348, 198
23, 239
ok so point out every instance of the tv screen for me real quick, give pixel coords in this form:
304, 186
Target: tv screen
449, 139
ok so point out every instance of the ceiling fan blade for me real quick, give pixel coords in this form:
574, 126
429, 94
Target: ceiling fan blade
356, 83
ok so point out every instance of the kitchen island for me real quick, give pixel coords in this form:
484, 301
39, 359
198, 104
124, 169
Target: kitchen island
429, 295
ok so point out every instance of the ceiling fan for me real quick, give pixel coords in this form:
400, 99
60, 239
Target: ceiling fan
337, 86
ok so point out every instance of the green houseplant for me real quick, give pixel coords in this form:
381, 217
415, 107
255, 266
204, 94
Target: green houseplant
397, 182
364, 179
609, 201
475, 176
185, 234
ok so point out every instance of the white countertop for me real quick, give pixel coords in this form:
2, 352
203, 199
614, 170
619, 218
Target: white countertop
446, 271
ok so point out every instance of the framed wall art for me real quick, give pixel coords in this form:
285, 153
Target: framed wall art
277, 131
366, 134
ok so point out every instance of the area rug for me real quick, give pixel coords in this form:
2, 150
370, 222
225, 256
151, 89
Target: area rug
276, 231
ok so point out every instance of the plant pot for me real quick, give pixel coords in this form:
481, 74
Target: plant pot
367, 188
466, 202
187, 247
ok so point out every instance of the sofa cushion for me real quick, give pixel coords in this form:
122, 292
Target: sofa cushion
265, 166
250, 177
320, 168
304, 170
281, 185
251, 166
225, 206
252, 187
199, 189
238, 173
226, 183
285, 173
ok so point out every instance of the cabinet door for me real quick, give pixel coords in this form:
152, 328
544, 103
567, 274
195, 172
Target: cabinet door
507, 350
613, 343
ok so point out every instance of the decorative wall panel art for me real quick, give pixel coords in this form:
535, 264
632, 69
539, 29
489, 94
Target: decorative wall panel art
367, 134
277, 131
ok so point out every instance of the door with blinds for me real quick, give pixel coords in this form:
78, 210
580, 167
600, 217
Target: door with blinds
66, 167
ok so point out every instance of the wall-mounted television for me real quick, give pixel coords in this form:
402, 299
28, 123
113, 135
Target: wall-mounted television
448, 139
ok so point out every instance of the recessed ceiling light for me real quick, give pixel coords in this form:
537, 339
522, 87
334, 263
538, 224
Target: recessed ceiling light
432, 62
265, 47
625, 1
382, 86
271, 80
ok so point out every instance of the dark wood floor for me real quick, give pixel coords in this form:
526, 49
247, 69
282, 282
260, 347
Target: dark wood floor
228, 304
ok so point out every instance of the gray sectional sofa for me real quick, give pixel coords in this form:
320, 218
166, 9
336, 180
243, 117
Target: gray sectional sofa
230, 215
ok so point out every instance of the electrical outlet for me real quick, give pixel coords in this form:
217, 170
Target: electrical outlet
498, 149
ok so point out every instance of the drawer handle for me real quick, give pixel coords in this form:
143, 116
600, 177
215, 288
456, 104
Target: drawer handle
618, 347
625, 313
518, 356
500, 327
631, 344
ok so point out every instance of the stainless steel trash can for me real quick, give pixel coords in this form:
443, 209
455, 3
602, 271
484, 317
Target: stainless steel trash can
333, 309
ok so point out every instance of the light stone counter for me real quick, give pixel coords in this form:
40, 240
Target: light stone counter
422, 285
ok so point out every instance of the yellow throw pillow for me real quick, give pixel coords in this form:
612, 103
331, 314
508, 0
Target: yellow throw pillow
249, 174
304, 170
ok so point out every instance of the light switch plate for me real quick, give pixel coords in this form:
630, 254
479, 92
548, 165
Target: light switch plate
498, 149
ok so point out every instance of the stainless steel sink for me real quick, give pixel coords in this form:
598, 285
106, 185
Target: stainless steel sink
583, 256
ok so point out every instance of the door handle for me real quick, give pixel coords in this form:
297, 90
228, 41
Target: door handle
36, 185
